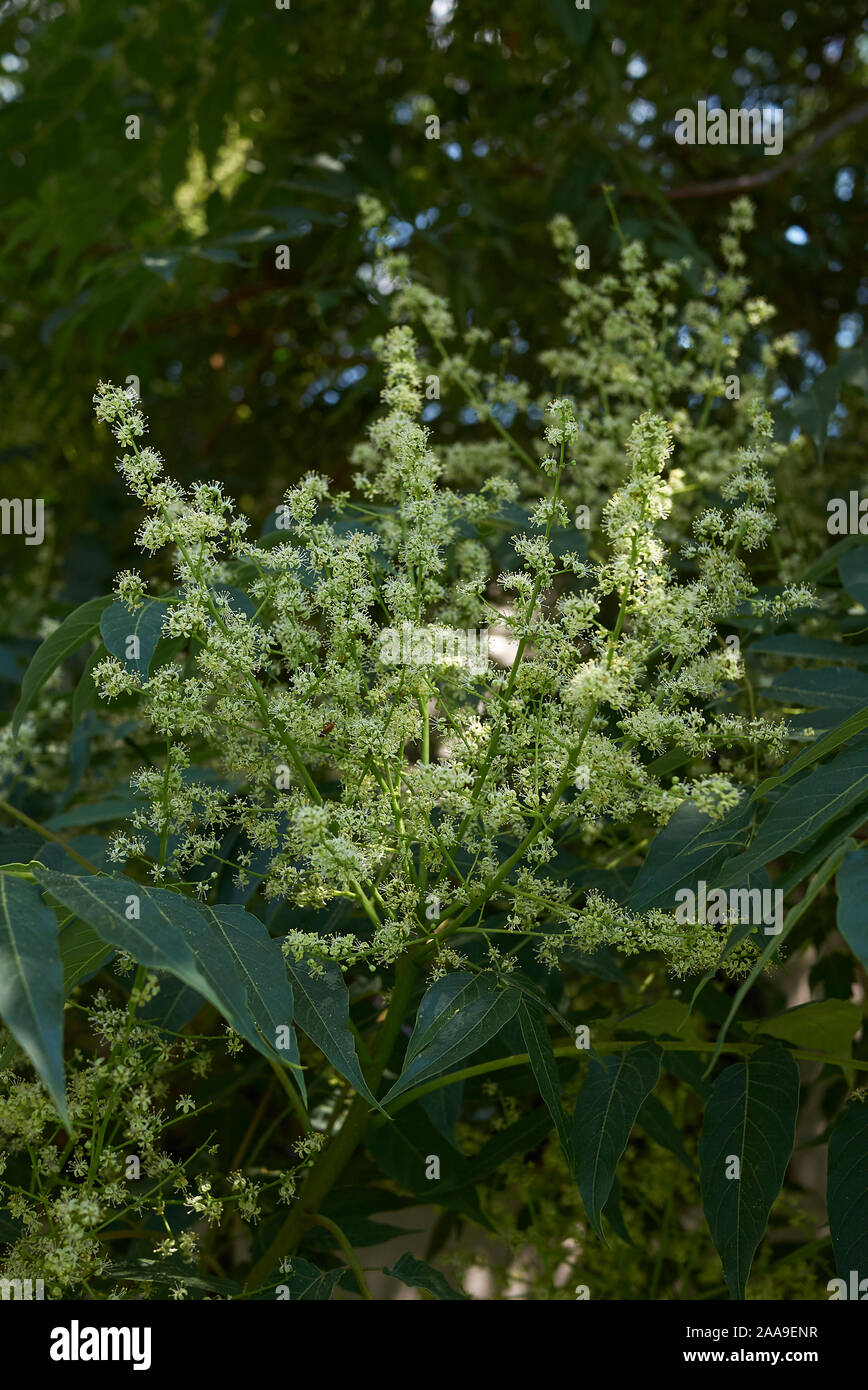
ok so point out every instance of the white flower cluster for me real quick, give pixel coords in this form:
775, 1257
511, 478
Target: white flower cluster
344, 776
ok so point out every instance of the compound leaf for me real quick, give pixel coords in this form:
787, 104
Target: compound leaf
31, 982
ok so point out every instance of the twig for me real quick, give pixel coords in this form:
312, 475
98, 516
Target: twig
48, 835
741, 183
348, 1250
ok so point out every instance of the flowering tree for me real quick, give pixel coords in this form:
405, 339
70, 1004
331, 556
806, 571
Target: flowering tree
457, 918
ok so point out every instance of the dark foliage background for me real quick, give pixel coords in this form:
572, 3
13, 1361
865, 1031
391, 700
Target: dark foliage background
259, 126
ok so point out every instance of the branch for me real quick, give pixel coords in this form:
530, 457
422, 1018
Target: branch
743, 182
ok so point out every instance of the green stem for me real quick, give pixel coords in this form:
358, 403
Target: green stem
522, 1059
348, 1252
294, 1098
606, 190
47, 835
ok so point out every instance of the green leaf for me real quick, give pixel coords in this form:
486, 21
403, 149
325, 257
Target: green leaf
801, 866
173, 1007
830, 558
119, 624
24, 871
304, 1281
166, 1275
666, 1016
564, 540
613, 1213
818, 720
545, 1070
353, 1209
443, 1108
833, 686
31, 982
804, 810
403, 1151
853, 724
535, 993
416, 1274
659, 1125
73, 632
602, 964
85, 695
606, 1109
457, 1016
853, 903
82, 952
95, 813
751, 1117
825, 1025
322, 1009
434, 1001
260, 964
690, 845
809, 649
170, 933
847, 1189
